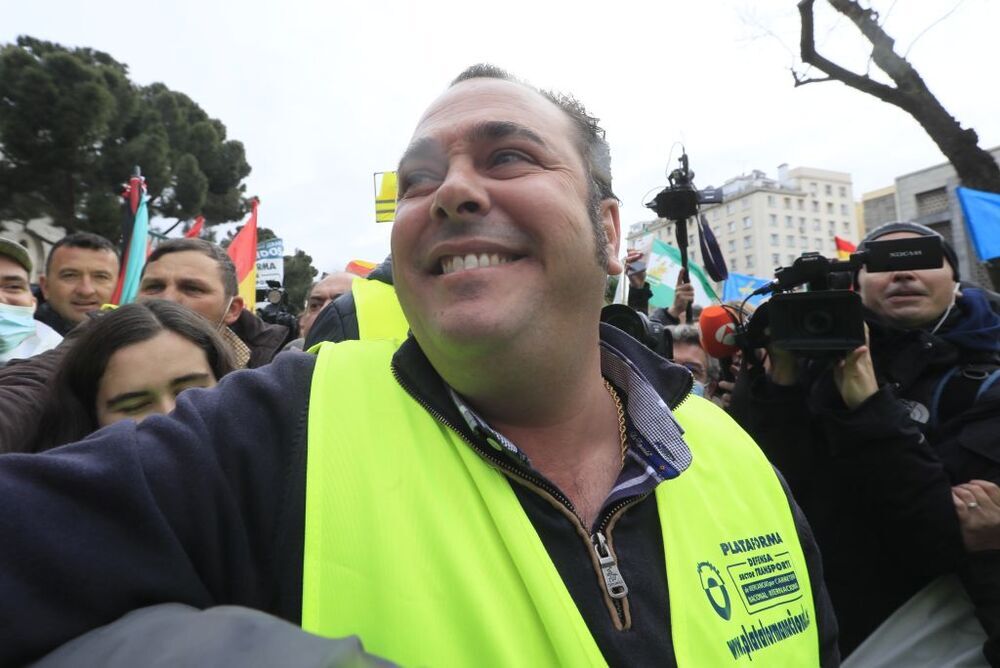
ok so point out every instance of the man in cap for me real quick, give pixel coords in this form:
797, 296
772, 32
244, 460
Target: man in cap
512, 484
21, 335
874, 444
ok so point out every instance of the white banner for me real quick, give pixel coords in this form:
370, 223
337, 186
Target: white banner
270, 262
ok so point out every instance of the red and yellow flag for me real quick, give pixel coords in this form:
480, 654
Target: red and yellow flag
360, 267
844, 248
243, 252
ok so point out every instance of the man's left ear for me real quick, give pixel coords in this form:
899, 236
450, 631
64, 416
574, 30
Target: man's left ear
608, 214
235, 308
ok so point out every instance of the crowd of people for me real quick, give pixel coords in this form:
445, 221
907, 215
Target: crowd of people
453, 462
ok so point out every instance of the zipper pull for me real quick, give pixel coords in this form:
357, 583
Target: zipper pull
613, 580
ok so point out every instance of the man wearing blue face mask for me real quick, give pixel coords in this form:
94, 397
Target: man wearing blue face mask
20, 334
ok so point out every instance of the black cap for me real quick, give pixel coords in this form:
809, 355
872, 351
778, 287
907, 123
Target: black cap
913, 228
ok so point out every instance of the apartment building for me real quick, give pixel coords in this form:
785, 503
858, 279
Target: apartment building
927, 196
764, 223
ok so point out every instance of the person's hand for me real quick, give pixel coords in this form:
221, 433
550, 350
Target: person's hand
977, 504
633, 255
722, 393
782, 365
855, 377
683, 295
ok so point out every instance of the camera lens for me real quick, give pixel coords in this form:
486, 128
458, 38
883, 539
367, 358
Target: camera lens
817, 322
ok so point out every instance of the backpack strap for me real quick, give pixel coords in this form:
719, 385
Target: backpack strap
960, 388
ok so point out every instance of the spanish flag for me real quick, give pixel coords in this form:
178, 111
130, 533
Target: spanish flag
844, 248
243, 252
360, 267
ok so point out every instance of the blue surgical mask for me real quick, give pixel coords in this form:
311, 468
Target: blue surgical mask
698, 389
16, 324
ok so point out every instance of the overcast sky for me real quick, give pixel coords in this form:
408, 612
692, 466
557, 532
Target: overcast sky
324, 93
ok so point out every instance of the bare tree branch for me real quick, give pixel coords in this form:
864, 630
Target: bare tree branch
802, 80
976, 168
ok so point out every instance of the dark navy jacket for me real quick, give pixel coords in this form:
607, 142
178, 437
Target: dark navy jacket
205, 507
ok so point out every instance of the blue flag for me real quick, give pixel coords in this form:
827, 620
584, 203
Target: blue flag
738, 286
982, 219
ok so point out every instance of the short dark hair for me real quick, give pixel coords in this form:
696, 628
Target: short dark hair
590, 142
227, 270
87, 240
71, 408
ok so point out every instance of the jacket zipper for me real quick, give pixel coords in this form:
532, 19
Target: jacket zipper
614, 584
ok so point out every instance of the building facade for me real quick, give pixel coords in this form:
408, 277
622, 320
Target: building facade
37, 235
928, 196
764, 223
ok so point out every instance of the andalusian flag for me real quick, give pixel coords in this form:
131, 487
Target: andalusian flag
243, 251
662, 270
844, 248
135, 233
385, 197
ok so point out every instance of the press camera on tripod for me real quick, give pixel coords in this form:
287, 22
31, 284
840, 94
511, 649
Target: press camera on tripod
828, 319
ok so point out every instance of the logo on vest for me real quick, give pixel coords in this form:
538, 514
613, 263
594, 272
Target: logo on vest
715, 589
761, 571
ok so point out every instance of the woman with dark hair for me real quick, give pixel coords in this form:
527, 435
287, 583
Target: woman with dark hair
130, 363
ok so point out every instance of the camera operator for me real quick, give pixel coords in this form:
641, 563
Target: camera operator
276, 311
873, 443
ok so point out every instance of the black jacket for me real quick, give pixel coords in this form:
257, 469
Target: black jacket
876, 483
206, 507
263, 339
45, 313
338, 321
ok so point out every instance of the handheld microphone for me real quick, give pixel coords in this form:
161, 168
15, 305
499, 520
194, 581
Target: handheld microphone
718, 332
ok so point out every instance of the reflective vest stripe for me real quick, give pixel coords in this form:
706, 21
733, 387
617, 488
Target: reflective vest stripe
417, 545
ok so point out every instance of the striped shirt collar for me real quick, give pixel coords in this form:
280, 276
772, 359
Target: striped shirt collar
656, 448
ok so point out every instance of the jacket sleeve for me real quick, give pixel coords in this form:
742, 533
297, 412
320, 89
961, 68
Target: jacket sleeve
183, 508
171, 634
24, 386
895, 474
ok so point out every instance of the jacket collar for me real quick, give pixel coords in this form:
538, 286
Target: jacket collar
414, 371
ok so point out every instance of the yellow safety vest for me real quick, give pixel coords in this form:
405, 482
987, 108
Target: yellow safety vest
379, 314
417, 545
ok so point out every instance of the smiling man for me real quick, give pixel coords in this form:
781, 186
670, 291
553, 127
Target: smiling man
81, 273
511, 485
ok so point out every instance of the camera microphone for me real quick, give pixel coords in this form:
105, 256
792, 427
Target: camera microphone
718, 332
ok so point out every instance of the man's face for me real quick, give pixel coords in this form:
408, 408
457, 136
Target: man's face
493, 237
15, 289
322, 294
908, 299
694, 358
191, 279
79, 280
